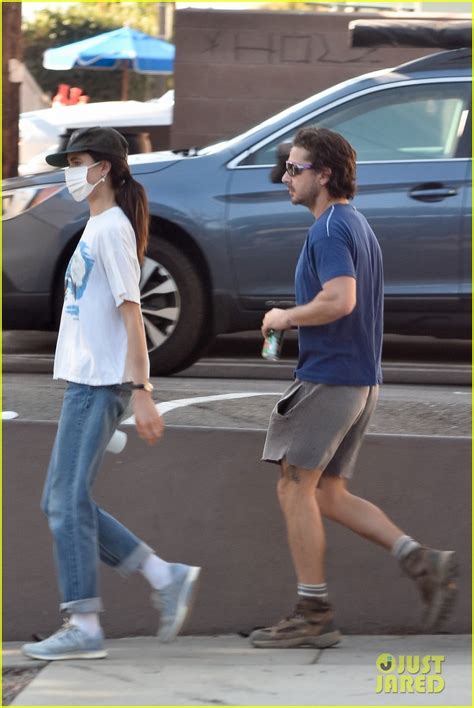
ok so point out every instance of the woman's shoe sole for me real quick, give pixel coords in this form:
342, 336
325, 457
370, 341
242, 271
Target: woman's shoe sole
98, 654
185, 602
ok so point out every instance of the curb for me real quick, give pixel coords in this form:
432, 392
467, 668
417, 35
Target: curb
420, 374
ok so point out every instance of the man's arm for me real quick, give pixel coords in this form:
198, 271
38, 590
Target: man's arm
148, 421
337, 299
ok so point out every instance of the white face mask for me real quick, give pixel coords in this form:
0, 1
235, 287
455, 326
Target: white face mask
77, 184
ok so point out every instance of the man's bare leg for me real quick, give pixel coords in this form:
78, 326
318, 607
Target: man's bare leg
312, 623
304, 525
361, 516
433, 571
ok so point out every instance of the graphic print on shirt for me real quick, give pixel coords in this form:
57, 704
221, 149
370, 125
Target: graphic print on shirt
77, 276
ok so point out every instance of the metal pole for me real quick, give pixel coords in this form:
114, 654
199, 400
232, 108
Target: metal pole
124, 95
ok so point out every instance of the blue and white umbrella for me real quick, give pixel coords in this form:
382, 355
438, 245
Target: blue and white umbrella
124, 49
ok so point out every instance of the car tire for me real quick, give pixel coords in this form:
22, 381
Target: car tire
174, 307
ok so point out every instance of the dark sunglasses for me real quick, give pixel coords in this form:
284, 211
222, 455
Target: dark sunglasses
296, 168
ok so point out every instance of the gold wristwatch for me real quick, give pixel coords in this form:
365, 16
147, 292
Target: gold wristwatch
145, 386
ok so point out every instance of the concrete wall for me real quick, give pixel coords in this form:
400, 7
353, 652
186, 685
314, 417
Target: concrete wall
32, 96
202, 496
234, 69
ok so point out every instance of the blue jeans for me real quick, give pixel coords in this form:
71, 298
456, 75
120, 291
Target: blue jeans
82, 532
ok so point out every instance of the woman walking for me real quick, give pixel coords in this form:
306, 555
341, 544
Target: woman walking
101, 353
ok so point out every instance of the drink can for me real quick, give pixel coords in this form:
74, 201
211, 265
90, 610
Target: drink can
272, 345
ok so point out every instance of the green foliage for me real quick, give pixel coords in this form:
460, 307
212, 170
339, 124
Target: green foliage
56, 27
311, 6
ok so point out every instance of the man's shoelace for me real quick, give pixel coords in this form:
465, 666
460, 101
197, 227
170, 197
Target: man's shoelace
295, 616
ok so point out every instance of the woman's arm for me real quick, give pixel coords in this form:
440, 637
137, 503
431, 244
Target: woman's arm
148, 421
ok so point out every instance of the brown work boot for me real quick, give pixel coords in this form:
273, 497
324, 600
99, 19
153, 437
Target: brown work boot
311, 624
435, 574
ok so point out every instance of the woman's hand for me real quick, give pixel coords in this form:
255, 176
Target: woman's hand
148, 421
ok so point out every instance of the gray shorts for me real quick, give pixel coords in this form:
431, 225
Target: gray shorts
317, 426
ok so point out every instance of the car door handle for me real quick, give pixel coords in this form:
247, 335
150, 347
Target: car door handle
432, 192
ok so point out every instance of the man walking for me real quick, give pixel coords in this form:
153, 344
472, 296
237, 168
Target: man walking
317, 427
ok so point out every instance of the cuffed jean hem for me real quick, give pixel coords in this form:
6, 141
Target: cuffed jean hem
90, 604
134, 560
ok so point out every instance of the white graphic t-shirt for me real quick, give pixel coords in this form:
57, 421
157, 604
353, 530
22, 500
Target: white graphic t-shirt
101, 275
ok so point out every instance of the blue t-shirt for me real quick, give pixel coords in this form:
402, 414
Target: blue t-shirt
348, 351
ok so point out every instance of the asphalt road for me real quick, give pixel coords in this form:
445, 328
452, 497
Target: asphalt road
233, 368
420, 410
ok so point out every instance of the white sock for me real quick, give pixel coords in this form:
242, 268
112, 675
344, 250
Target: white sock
87, 621
403, 546
156, 571
318, 591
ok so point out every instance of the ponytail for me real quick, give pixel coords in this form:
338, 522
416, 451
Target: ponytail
131, 198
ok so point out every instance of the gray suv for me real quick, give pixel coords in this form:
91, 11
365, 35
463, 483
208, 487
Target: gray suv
225, 239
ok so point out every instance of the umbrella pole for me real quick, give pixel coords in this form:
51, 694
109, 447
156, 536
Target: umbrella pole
124, 95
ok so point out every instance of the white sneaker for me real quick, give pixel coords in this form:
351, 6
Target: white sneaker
69, 642
174, 601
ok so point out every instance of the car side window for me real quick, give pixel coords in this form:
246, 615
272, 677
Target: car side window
416, 122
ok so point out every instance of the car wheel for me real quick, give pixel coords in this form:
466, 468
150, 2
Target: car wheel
174, 308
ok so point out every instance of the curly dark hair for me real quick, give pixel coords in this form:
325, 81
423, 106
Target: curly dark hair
330, 150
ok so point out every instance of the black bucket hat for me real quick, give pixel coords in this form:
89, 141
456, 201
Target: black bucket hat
106, 141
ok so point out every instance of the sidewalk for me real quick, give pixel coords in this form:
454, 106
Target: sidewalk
225, 670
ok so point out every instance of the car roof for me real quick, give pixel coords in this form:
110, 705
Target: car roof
452, 60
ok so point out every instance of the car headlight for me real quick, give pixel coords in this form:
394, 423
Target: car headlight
16, 201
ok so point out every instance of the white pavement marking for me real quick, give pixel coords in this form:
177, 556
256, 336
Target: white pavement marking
9, 415
168, 406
